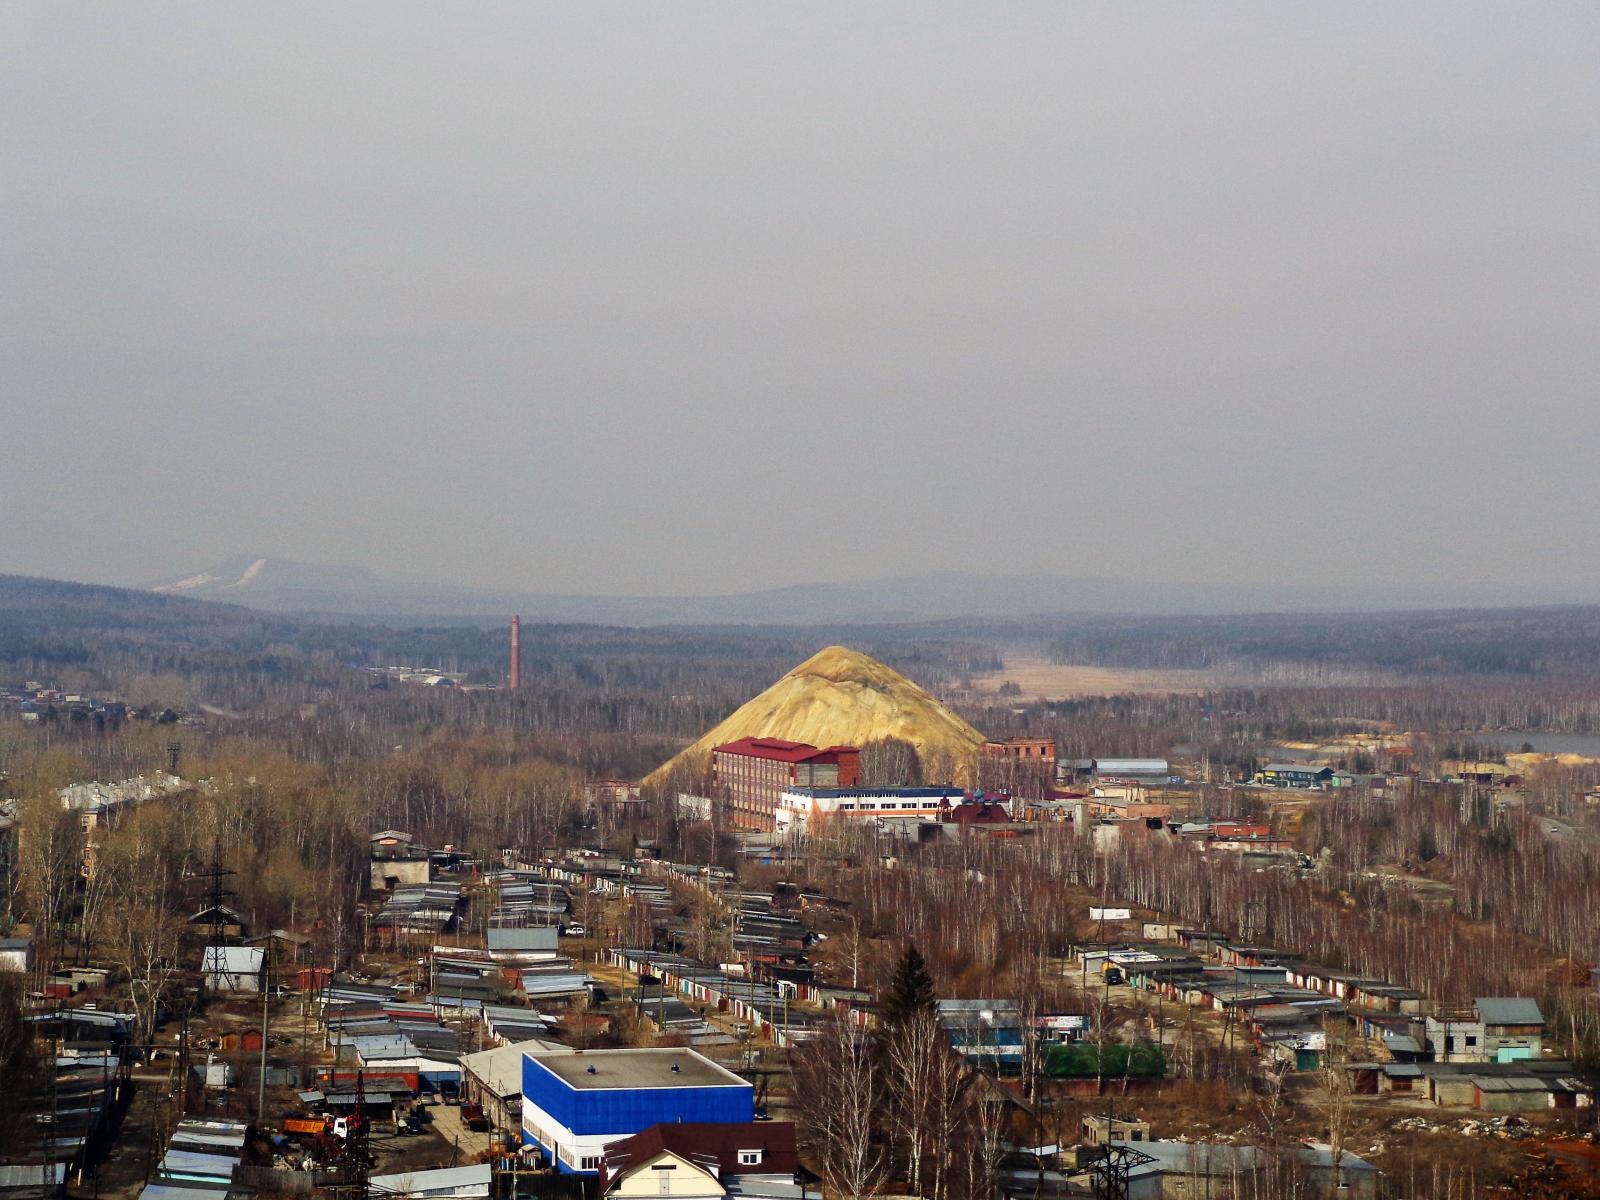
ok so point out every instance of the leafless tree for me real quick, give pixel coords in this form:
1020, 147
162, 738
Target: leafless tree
1335, 1094
49, 864
915, 1053
987, 1116
19, 1060
840, 1091
136, 926
890, 762
947, 1088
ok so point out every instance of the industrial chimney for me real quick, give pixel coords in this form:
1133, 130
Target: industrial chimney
516, 653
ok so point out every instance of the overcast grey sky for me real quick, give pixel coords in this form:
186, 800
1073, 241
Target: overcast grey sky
697, 297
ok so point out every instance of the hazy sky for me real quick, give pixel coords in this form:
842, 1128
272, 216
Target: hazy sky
691, 297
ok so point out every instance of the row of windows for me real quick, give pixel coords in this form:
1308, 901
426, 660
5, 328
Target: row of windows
739, 762
876, 806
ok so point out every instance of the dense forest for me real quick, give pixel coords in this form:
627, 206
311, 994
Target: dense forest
618, 701
199, 655
1366, 647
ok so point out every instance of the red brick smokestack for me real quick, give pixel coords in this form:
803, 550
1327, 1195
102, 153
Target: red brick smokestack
516, 653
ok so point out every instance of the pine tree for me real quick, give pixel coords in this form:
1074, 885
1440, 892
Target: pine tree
910, 991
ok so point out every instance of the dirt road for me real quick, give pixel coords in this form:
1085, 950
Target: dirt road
447, 1123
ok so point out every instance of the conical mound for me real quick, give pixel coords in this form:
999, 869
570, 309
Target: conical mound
841, 697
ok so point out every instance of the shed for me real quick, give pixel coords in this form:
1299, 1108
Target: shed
539, 942
218, 919
451, 1183
493, 1078
1509, 1093
1452, 1091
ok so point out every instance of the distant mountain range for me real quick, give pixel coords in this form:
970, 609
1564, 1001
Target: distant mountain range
282, 585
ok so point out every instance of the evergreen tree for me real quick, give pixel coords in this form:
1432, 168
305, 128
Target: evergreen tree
910, 991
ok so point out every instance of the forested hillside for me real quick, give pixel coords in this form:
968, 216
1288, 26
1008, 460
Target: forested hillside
1372, 647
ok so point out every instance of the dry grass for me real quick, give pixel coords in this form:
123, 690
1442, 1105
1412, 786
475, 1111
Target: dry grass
1041, 679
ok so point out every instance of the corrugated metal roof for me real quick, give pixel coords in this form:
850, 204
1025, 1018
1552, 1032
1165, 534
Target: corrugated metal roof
30, 1175
538, 938
539, 984
194, 1139
1509, 1083
1509, 1010
178, 1191
500, 1069
779, 750
453, 1180
193, 1162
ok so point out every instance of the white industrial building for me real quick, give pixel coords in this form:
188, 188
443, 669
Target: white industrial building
801, 810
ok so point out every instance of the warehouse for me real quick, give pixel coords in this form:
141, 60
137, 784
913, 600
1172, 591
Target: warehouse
573, 1103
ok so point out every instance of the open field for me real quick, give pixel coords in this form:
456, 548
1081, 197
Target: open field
1041, 679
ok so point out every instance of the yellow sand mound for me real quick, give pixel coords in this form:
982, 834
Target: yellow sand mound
841, 697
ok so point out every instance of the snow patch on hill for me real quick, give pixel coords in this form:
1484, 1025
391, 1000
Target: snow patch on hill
201, 580
250, 573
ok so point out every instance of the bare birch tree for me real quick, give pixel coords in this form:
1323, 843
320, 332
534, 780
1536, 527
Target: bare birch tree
136, 926
840, 1092
915, 1051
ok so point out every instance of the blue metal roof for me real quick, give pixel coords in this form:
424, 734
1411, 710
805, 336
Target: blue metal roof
902, 793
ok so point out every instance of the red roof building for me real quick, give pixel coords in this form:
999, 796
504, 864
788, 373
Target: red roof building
749, 775
979, 812
720, 1150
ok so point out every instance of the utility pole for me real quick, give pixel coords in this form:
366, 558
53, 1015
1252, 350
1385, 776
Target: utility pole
49, 1168
266, 1025
357, 1141
183, 1065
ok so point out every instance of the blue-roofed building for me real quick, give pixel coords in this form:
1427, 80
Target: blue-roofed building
575, 1102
